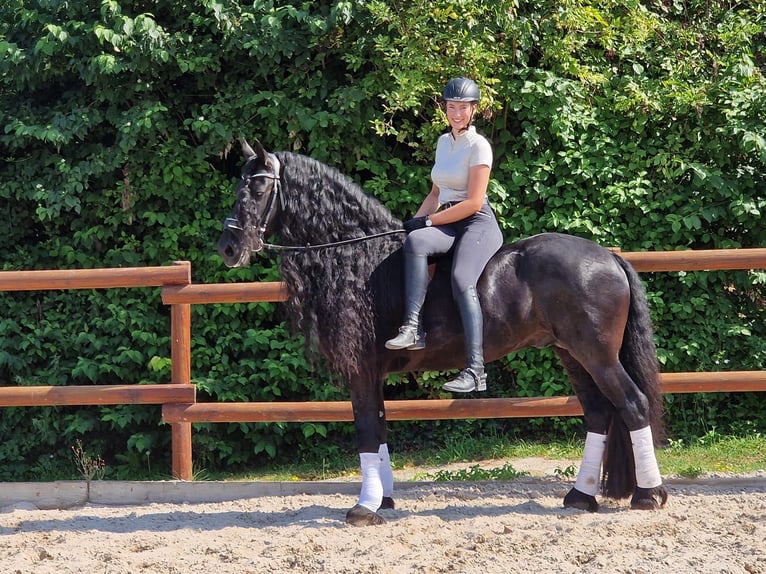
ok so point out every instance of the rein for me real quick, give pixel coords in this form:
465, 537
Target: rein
234, 224
309, 247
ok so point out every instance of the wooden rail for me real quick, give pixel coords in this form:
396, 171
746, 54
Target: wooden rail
179, 274
275, 291
333, 411
96, 395
697, 260
266, 291
441, 409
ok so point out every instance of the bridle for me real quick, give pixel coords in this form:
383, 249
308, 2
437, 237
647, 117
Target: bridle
233, 224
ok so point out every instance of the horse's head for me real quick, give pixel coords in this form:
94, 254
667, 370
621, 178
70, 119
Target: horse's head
256, 204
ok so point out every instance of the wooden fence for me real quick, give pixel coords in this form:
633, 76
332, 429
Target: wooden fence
178, 397
722, 259
179, 390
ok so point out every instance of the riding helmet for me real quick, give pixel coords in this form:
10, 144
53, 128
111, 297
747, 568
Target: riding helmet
461, 90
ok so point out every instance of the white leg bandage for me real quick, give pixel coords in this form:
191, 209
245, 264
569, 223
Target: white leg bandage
647, 471
589, 476
386, 474
372, 488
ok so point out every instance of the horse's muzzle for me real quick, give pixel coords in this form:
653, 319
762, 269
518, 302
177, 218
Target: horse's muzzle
233, 253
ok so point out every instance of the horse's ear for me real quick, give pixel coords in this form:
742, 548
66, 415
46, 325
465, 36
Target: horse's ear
247, 151
260, 151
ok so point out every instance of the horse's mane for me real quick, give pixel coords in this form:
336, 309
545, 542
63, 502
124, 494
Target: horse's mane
331, 290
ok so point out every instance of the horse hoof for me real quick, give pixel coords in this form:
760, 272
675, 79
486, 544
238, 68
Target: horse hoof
649, 498
361, 516
387, 503
580, 500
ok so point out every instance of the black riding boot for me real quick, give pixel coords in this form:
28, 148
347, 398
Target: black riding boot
411, 335
473, 377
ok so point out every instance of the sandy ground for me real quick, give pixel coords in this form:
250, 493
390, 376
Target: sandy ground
709, 525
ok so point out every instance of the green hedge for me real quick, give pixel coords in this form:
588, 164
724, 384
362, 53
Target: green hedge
638, 125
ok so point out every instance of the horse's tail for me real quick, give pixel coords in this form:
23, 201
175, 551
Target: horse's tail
638, 356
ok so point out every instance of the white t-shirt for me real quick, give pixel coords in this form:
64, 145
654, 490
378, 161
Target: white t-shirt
454, 157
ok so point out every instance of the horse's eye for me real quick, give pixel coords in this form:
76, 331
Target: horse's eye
257, 191
249, 183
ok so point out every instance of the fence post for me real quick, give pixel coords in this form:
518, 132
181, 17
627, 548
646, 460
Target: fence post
180, 356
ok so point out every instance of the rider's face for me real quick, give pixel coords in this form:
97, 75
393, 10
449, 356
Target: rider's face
459, 114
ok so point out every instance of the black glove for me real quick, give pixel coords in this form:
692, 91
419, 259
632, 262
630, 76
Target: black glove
415, 223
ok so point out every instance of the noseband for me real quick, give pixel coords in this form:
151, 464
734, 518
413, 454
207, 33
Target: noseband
233, 224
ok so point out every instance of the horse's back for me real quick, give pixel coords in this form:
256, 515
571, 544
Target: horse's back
558, 258
560, 247
555, 289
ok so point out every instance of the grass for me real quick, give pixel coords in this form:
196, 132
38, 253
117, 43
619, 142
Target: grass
714, 454
709, 454
475, 472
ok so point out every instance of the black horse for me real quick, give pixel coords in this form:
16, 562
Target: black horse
546, 290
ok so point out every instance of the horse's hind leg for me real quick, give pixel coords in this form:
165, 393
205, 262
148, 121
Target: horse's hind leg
598, 415
632, 408
649, 493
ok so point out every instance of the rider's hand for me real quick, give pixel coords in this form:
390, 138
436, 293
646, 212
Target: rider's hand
415, 223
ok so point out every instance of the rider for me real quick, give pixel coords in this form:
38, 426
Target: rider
455, 215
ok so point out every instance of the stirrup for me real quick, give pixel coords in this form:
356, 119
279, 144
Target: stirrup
420, 341
467, 381
410, 337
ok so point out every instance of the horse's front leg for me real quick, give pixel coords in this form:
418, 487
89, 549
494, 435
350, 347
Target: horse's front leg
377, 476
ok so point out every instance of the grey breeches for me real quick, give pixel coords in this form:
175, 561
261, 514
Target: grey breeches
474, 241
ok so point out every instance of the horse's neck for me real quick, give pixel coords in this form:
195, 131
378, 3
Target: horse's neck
328, 206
